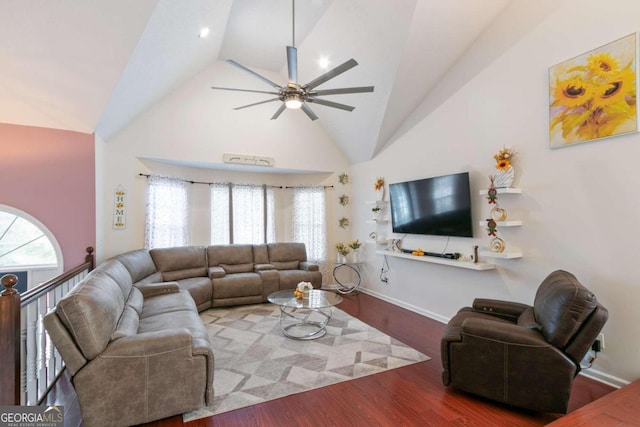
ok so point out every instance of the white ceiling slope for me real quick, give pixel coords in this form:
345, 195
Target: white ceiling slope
95, 66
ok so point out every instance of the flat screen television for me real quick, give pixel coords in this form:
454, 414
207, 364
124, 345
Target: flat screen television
438, 206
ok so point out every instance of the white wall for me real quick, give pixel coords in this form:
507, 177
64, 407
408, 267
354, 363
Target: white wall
579, 205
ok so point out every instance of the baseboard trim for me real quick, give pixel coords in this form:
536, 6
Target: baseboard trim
593, 374
403, 304
604, 378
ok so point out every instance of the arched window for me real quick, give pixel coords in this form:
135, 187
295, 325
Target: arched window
27, 245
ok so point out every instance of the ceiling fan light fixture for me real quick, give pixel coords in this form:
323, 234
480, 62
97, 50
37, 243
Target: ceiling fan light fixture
293, 101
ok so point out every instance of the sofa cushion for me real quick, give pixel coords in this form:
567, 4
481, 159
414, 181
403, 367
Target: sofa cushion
118, 273
136, 300
179, 263
286, 265
237, 268
230, 254
127, 325
282, 252
91, 311
561, 305
167, 303
237, 285
138, 263
200, 290
260, 254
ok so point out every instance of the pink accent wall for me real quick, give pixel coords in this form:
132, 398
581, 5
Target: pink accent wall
50, 174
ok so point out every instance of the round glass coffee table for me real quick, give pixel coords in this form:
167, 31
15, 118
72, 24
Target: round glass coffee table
304, 319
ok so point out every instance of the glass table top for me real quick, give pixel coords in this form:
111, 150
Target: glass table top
317, 299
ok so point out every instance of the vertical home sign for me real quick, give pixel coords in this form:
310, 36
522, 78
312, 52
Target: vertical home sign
120, 208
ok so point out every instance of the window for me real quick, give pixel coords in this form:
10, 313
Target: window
167, 222
23, 243
309, 221
242, 214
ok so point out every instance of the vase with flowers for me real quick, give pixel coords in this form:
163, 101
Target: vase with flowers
302, 290
343, 251
379, 188
376, 210
505, 173
354, 245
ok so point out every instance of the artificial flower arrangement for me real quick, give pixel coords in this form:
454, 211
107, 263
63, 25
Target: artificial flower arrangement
379, 184
504, 158
354, 244
302, 289
342, 249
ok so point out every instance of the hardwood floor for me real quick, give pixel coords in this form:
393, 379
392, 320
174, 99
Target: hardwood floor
409, 396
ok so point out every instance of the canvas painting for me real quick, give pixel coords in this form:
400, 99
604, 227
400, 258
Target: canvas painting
593, 96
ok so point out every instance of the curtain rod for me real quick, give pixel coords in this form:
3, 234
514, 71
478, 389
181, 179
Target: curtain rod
311, 186
272, 186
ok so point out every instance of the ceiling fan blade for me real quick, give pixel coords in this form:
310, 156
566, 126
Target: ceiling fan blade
341, 91
331, 74
245, 90
257, 103
331, 104
254, 74
280, 110
309, 112
292, 64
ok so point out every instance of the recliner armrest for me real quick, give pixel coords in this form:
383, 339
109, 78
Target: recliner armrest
505, 309
308, 266
153, 289
504, 333
216, 272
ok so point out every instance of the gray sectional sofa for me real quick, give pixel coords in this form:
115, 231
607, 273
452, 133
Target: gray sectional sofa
130, 333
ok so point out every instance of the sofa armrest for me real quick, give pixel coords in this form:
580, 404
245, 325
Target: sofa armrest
263, 267
153, 289
216, 272
308, 266
150, 343
505, 309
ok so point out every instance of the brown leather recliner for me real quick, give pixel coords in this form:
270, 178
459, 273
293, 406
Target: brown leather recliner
521, 355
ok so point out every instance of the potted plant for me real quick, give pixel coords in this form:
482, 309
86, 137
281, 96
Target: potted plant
354, 245
376, 212
343, 251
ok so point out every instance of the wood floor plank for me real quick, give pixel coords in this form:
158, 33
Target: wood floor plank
408, 396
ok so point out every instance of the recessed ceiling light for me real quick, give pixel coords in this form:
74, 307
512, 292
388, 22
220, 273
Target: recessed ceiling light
204, 32
323, 62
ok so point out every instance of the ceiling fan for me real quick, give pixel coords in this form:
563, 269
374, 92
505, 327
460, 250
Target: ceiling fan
294, 95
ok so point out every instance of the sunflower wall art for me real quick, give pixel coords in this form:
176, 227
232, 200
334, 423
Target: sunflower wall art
593, 95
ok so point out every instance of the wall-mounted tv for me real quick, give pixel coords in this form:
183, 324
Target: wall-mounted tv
438, 206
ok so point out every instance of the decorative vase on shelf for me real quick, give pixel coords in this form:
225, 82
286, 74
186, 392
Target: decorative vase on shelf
504, 178
354, 256
341, 259
380, 194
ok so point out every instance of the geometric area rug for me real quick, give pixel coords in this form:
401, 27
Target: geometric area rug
255, 363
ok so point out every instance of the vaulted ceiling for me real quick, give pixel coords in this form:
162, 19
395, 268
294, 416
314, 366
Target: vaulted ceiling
94, 66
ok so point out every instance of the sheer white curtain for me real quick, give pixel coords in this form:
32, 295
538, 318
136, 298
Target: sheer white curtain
309, 224
220, 228
167, 220
242, 214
